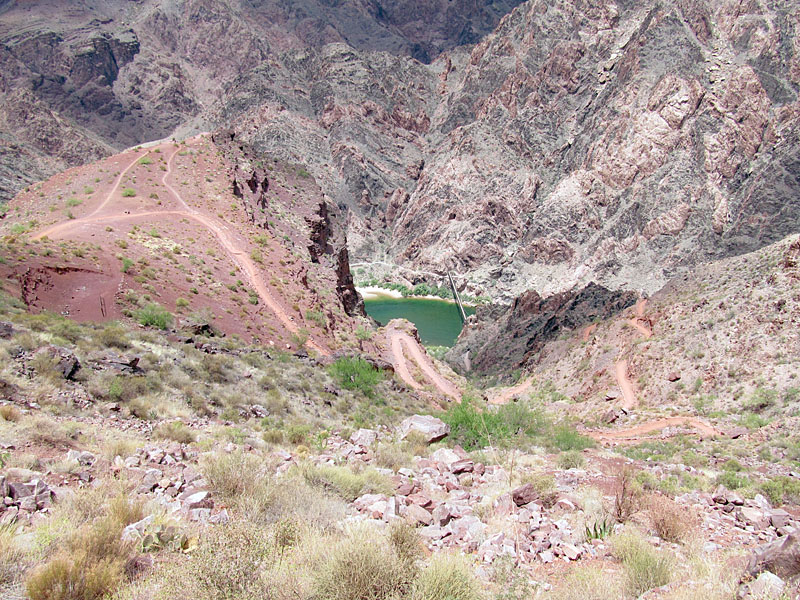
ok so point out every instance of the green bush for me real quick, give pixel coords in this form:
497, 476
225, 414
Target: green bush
362, 567
344, 483
644, 566
572, 459
153, 315
509, 425
175, 431
733, 480
447, 577
128, 193
565, 437
356, 374
782, 489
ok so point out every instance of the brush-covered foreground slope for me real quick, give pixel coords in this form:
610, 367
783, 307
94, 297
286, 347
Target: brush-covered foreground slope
136, 466
198, 229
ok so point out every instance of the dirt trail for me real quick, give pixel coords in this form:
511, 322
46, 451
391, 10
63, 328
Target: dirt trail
628, 397
621, 367
238, 255
401, 342
506, 394
634, 434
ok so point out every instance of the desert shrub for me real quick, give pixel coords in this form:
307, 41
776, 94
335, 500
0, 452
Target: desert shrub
230, 563
114, 335
43, 431
9, 412
362, 567
11, 555
217, 368
392, 455
127, 387
145, 160
572, 459
405, 541
153, 315
345, 483
224, 473
447, 577
181, 303
588, 583
782, 489
626, 495
671, 522
91, 565
644, 566
176, 431
298, 433
356, 374
128, 193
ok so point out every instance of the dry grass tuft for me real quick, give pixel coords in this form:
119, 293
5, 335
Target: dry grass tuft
671, 522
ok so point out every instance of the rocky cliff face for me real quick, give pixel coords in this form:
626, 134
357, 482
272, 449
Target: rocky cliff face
499, 340
609, 142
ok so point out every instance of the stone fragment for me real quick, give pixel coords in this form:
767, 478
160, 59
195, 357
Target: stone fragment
464, 465
767, 586
778, 517
570, 551
673, 376
445, 457
200, 499
429, 427
752, 516
781, 557
417, 514
524, 494
364, 437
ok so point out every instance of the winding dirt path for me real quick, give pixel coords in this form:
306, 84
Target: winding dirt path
505, 395
401, 343
625, 385
634, 434
237, 254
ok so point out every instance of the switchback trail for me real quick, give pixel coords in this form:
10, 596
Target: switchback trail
634, 434
629, 400
400, 343
237, 254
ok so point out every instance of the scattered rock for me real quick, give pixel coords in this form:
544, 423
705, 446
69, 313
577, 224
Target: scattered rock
417, 514
431, 428
364, 437
781, 557
524, 494
673, 376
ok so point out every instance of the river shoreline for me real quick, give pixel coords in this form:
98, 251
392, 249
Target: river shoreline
376, 293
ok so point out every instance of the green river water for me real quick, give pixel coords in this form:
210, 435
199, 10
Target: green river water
437, 321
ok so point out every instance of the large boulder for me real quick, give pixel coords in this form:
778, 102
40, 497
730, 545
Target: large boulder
431, 428
781, 558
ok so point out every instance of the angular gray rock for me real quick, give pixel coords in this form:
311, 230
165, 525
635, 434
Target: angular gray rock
430, 428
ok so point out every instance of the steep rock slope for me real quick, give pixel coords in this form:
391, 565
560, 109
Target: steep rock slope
113, 74
613, 142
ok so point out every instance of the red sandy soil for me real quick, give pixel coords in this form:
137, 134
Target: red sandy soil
183, 210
